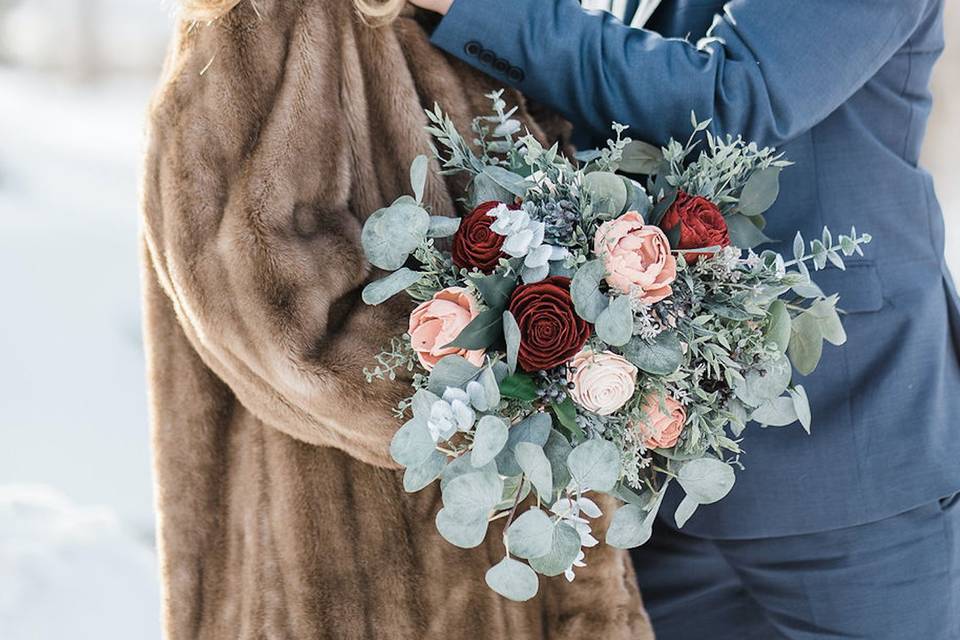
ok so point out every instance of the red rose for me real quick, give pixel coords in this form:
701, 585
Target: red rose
551, 332
475, 245
701, 224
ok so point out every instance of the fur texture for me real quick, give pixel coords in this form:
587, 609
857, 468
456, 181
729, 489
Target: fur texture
280, 513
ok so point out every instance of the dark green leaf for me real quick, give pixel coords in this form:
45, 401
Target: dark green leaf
519, 386
483, 331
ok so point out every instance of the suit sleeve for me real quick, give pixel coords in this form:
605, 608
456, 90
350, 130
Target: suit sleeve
769, 69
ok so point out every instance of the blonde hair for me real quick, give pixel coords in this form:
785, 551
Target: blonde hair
373, 11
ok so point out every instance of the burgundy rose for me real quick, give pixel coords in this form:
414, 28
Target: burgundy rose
551, 332
701, 224
475, 245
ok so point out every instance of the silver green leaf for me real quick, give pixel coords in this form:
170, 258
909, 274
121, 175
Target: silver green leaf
595, 465
466, 534
615, 323
380, 291
536, 466
535, 429
412, 444
491, 388
825, 311
557, 449
588, 301
451, 371
661, 357
442, 226
806, 343
471, 495
630, 527
685, 510
511, 334
765, 383
418, 477
608, 193
778, 412
418, 176
744, 233
422, 403
531, 534
706, 480
513, 580
511, 182
760, 192
778, 325
563, 551
390, 235
489, 440
801, 404
640, 157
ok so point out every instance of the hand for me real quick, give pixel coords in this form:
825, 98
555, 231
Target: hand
439, 6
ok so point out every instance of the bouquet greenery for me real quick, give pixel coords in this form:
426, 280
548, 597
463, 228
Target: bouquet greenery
589, 334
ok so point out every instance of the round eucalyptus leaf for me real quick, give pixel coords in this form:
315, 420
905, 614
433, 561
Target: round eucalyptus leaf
661, 357
778, 325
472, 495
706, 480
760, 192
390, 235
513, 580
778, 412
423, 402
806, 343
759, 386
418, 477
595, 465
609, 194
442, 227
489, 440
557, 449
641, 157
536, 466
563, 551
380, 291
412, 444
588, 301
629, 528
461, 466
465, 534
531, 535
615, 323
451, 371
491, 388
535, 429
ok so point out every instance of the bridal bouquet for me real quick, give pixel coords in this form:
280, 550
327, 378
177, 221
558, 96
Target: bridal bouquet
588, 334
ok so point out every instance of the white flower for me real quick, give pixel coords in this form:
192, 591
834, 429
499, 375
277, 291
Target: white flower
524, 239
450, 414
572, 511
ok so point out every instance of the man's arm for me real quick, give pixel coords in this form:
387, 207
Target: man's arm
770, 70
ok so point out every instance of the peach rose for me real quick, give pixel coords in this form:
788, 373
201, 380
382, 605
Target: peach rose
662, 430
637, 257
438, 322
602, 382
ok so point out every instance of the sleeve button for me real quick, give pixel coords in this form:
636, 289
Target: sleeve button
473, 48
501, 65
487, 56
516, 74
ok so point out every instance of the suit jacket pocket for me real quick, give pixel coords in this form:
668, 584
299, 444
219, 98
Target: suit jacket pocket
859, 286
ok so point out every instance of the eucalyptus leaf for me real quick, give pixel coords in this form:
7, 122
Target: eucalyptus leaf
806, 343
422, 404
484, 188
588, 300
563, 551
380, 291
743, 233
488, 380
412, 444
615, 323
451, 371
557, 449
760, 192
661, 357
825, 311
637, 198
685, 510
508, 180
531, 534
759, 386
706, 480
473, 494
418, 176
641, 157
495, 289
801, 405
629, 528
778, 325
489, 440
513, 580
390, 235
418, 477
778, 412
609, 194
536, 466
511, 335
442, 226
535, 429
466, 534
595, 465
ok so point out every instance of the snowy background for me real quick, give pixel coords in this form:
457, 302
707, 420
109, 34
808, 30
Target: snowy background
76, 521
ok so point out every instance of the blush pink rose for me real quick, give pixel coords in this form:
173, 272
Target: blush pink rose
637, 257
438, 321
602, 382
662, 430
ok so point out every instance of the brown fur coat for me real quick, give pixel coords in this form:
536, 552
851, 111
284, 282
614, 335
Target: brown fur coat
281, 516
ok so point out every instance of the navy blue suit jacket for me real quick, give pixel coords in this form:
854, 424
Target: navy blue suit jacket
841, 87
